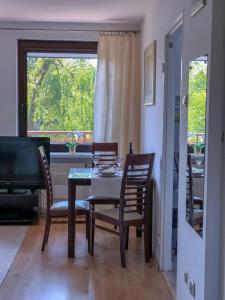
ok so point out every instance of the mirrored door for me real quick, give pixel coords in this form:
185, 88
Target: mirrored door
196, 143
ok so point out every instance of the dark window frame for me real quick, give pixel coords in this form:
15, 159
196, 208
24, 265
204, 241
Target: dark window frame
26, 46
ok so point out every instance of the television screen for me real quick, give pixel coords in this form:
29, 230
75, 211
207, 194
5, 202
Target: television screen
20, 166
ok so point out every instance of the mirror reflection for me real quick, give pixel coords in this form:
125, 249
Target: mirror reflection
196, 141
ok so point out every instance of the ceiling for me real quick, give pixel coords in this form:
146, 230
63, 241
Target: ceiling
74, 10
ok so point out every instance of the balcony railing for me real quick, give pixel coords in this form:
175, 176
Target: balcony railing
60, 137
196, 137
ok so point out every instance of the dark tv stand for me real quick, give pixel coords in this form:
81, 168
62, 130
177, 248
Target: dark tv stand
18, 207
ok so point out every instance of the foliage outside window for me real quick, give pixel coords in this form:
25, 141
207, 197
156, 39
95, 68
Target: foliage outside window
197, 102
60, 97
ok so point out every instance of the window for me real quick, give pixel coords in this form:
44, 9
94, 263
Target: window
56, 89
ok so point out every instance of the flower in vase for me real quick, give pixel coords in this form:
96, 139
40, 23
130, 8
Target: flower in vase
199, 147
72, 142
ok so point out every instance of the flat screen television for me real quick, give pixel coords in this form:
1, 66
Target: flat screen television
20, 166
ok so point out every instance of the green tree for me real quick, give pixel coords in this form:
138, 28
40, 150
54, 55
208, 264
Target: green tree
197, 97
60, 94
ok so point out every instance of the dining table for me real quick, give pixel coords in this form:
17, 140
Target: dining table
83, 177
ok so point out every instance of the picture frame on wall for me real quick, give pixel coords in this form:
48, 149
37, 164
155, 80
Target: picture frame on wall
197, 5
150, 74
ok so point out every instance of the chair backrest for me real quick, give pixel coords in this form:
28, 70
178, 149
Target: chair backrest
47, 177
136, 187
106, 152
83, 148
189, 189
176, 162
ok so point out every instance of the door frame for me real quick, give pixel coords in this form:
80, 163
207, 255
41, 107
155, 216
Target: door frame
165, 263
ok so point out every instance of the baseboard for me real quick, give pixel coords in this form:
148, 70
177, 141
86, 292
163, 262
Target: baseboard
171, 287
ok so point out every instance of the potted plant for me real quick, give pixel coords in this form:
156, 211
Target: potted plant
199, 147
73, 139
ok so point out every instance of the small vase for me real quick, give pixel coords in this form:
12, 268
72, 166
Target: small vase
72, 149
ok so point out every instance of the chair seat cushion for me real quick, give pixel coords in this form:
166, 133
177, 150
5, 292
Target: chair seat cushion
114, 214
95, 197
61, 207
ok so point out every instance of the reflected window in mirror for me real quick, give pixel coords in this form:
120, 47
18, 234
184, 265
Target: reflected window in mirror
196, 142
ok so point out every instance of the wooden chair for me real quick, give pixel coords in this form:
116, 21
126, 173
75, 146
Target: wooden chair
176, 162
106, 152
59, 209
134, 206
194, 204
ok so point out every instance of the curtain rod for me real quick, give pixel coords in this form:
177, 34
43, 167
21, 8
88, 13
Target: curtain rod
74, 30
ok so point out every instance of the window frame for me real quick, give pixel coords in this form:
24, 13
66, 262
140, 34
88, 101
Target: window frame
53, 46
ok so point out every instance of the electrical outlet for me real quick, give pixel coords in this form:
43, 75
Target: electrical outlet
192, 288
186, 277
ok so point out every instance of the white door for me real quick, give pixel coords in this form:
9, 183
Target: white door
171, 145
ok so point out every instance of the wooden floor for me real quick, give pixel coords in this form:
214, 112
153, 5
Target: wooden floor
51, 276
11, 238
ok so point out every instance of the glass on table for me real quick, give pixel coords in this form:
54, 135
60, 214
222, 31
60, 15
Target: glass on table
118, 163
199, 160
95, 159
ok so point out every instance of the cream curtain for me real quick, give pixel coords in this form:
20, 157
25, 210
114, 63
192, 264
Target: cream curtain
117, 91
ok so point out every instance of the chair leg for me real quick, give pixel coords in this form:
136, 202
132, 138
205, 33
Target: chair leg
122, 246
92, 233
88, 230
46, 233
147, 244
127, 237
115, 227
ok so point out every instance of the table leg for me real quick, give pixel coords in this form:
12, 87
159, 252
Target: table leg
138, 233
71, 218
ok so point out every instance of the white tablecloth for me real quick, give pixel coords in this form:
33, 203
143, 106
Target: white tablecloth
105, 186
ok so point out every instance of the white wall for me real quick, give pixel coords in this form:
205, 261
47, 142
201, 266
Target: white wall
159, 21
197, 256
